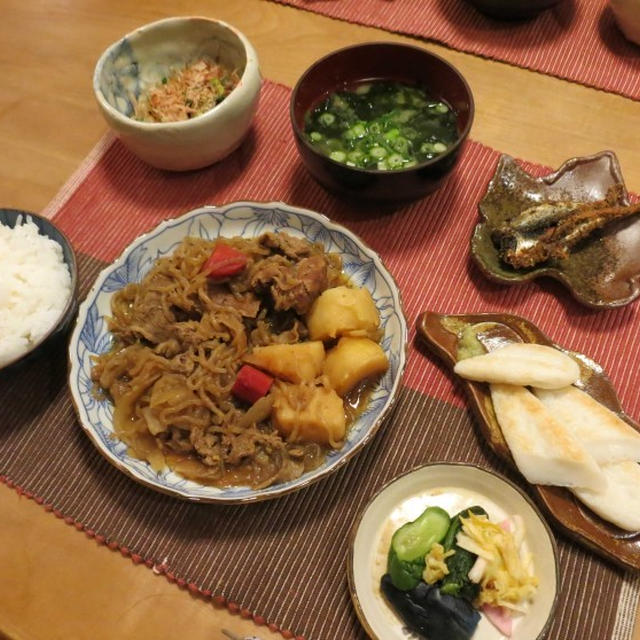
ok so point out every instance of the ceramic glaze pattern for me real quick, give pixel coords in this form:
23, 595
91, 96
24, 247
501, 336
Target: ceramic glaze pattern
601, 271
119, 78
142, 59
91, 336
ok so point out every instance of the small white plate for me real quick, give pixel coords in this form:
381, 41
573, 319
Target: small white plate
452, 486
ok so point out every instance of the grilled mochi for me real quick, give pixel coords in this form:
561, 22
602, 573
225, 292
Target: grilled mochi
543, 450
604, 435
619, 502
523, 364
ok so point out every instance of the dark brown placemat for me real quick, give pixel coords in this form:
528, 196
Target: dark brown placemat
282, 559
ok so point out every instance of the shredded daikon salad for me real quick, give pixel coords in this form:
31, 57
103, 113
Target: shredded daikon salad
186, 93
505, 568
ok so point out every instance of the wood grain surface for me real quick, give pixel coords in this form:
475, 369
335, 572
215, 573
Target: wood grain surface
57, 583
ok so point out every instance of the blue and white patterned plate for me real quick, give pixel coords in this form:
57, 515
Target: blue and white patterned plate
249, 219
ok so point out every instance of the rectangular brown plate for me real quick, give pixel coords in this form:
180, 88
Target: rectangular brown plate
561, 507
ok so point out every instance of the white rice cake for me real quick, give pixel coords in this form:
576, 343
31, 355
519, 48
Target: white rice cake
522, 364
543, 450
604, 435
619, 502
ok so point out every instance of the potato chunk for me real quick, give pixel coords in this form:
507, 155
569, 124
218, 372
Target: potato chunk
298, 362
351, 361
306, 413
343, 311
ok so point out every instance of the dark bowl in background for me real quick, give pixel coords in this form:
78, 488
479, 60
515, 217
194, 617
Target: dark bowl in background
381, 61
9, 218
512, 9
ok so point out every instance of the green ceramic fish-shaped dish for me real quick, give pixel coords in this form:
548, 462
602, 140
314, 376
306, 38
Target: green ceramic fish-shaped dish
603, 270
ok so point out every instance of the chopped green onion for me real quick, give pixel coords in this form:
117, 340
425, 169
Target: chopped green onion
339, 103
356, 156
401, 145
404, 116
326, 119
395, 161
378, 152
217, 86
357, 131
410, 133
383, 125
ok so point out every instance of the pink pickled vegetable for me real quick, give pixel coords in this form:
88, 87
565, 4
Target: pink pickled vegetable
507, 525
499, 617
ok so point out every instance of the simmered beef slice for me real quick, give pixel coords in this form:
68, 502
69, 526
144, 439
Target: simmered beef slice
269, 270
292, 286
148, 318
247, 304
290, 246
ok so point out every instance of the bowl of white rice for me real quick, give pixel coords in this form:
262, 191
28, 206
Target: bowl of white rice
38, 285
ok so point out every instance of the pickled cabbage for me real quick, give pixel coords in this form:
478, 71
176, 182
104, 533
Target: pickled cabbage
508, 579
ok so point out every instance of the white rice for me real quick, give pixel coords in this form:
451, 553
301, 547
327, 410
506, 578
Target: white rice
35, 285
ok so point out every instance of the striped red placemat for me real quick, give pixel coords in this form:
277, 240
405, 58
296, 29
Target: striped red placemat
284, 561
424, 244
577, 40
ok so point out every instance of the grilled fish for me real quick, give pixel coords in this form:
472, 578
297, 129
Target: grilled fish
551, 229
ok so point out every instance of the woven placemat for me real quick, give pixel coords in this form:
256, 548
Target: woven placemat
577, 40
284, 561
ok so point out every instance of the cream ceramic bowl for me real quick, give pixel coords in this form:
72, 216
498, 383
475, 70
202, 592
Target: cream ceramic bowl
453, 487
144, 57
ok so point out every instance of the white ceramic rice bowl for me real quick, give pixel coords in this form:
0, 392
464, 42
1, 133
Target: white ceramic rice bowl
142, 58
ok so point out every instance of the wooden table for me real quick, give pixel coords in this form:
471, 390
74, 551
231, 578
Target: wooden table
55, 583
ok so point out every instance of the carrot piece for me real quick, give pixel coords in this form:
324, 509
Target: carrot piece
224, 261
251, 384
